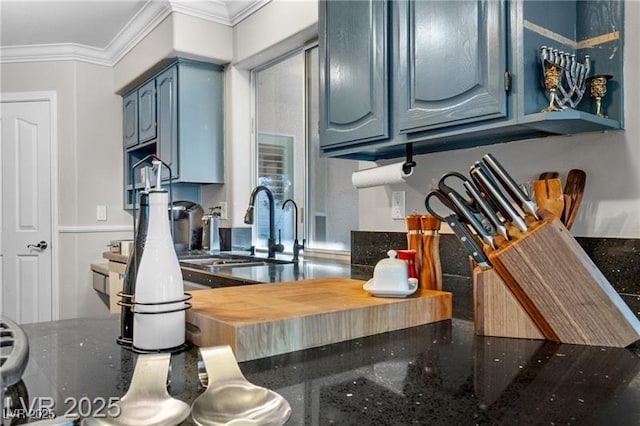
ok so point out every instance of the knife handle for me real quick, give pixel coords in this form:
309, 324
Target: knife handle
510, 185
479, 175
470, 218
468, 241
486, 210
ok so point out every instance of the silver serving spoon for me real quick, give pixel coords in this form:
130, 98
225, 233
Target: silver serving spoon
147, 401
230, 399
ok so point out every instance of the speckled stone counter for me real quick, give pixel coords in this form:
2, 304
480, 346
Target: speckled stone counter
437, 374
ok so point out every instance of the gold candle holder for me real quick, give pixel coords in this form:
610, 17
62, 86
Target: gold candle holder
552, 75
598, 85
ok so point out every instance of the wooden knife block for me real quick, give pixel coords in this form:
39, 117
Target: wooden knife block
544, 285
496, 311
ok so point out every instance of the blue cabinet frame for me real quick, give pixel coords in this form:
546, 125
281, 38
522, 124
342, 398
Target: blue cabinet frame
354, 105
185, 101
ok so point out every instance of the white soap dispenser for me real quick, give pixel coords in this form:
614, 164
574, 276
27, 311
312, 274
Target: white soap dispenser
159, 318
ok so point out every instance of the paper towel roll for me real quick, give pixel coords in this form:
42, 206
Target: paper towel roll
377, 176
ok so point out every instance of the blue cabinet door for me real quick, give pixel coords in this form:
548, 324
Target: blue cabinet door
449, 59
354, 104
130, 119
167, 97
147, 112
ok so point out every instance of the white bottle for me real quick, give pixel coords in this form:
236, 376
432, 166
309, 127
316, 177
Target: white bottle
159, 281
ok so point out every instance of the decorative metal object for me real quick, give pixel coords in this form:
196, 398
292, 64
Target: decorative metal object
147, 401
229, 398
552, 75
573, 78
598, 85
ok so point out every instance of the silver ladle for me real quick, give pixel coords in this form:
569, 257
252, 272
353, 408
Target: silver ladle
147, 401
230, 399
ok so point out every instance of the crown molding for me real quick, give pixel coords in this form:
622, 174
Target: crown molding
54, 52
223, 12
139, 26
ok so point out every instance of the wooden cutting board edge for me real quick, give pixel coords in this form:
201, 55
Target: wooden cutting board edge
252, 340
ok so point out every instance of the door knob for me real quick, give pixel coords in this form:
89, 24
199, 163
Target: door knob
42, 245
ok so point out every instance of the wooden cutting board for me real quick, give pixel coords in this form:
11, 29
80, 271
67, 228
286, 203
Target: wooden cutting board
267, 319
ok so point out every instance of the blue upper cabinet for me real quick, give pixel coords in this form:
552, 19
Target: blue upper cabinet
147, 112
167, 148
130, 119
180, 119
460, 73
449, 60
354, 104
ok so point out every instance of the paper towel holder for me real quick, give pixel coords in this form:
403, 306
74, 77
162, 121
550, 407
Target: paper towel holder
409, 164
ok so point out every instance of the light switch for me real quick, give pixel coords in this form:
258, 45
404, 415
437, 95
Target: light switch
101, 213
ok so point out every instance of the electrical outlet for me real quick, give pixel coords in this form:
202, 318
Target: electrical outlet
101, 213
397, 205
223, 210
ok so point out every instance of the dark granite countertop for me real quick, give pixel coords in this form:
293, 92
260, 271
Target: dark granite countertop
437, 374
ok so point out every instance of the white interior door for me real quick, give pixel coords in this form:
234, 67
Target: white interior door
26, 221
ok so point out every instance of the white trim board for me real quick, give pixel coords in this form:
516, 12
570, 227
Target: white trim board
93, 229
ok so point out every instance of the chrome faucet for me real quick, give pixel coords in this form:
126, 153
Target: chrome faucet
296, 247
248, 219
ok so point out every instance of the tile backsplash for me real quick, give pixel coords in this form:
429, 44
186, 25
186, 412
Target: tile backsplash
617, 258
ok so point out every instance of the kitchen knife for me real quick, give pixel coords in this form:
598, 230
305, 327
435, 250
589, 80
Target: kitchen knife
486, 210
468, 241
484, 192
470, 218
464, 234
510, 185
480, 176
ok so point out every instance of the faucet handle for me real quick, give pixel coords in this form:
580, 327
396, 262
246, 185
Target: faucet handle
279, 248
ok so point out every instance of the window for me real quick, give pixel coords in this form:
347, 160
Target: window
289, 163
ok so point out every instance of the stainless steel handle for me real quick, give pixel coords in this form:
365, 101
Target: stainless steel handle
471, 219
512, 215
42, 245
486, 210
510, 185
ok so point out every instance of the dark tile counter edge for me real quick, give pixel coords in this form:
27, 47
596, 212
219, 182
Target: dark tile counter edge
617, 258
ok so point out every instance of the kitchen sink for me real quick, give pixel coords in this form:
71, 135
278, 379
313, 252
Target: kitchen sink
218, 261
214, 262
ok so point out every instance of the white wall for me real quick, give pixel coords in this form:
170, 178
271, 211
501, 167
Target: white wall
611, 203
89, 169
239, 175
157, 45
280, 21
275, 29
176, 35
